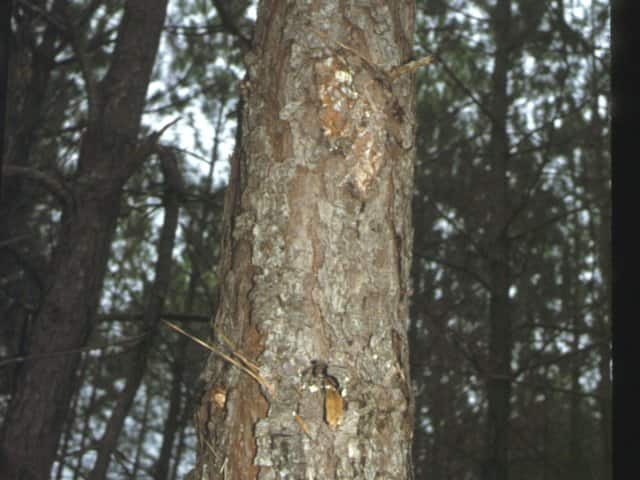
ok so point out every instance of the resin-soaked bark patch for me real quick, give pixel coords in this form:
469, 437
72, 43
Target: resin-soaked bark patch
352, 119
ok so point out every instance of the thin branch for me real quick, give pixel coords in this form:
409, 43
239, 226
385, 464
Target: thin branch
229, 25
195, 30
528, 193
45, 14
546, 223
79, 46
550, 388
451, 221
150, 143
54, 187
11, 241
409, 67
467, 91
133, 317
256, 376
27, 358
248, 363
558, 359
475, 275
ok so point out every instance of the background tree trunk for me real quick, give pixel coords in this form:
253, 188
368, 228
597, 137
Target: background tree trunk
154, 304
108, 156
317, 251
500, 337
31, 67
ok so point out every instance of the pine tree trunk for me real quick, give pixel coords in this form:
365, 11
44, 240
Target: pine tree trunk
108, 156
317, 252
496, 465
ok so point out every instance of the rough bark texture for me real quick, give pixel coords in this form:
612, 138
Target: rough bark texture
317, 253
108, 156
496, 462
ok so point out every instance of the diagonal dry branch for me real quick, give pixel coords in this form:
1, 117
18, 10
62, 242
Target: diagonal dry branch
249, 370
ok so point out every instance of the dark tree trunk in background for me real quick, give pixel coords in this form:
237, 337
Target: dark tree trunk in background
496, 465
317, 251
151, 318
172, 421
86, 433
602, 193
142, 434
195, 234
30, 69
71, 420
108, 156
572, 300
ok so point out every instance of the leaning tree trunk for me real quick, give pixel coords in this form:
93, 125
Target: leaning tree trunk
154, 304
316, 256
108, 156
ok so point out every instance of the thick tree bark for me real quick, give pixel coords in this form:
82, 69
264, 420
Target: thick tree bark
317, 252
496, 465
108, 156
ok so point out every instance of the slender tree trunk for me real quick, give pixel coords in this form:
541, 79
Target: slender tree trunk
86, 430
499, 376
172, 422
575, 300
604, 330
573, 303
419, 357
68, 431
548, 453
601, 163
142, 434
185, 414
151, 318
317, 252
108, 156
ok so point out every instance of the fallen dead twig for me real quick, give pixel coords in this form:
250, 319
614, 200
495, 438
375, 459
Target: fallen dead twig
248, 363
409, 67
249, 371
